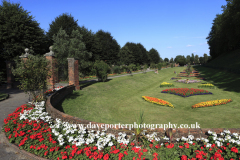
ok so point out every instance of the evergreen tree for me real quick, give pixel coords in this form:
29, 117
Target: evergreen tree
125, 56
154, 56
205, 56
64, 21
166, 60
188, 59
143, 54
18, 31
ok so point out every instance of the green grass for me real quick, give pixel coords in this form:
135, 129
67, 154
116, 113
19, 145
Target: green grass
120, 100
3, 96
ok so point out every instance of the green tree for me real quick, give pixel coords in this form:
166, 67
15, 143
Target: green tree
143, 54
33, 74
125, 56
201, 60
205, 56
18, 31
102, 69
192, 58
107, 47
67, 47
135, 50
154, 56
64, 21
166, 60
180, 59
188, 59
196, 61
171, 60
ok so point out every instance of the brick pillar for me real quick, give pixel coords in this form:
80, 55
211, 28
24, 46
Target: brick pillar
54, 78
10, 77
73, 72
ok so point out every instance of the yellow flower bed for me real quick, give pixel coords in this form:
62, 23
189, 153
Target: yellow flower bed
207, 85
212, 103
165, 84
157, 101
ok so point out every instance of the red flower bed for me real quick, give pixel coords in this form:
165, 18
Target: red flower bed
186, 92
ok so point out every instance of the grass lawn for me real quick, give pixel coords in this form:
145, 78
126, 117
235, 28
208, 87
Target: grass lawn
120, 100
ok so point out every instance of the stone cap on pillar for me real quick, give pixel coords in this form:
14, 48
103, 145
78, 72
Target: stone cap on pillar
26, 54
51, 53
73, 58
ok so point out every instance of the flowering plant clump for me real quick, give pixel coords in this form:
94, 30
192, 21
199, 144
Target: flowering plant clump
186, 92
157, 101
212, 103
50, 91
33, 130
165, 84
206, 85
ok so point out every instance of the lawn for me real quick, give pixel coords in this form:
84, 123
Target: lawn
120, 100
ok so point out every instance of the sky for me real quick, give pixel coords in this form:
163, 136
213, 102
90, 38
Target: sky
172, 27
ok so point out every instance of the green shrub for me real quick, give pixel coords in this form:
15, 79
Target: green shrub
117, 69
132, 67
152, 65
102, 69
159, 66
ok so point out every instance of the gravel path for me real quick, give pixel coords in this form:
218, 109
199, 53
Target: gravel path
16, 99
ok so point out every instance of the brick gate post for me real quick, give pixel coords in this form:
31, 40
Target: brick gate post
73, 72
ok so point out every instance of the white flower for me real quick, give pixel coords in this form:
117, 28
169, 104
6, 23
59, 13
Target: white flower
191, 137
110, 144
209, 132
208, 145
227, 131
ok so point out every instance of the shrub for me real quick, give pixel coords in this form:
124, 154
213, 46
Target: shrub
102, 69
159, 66
116, 69
152, 65
132, 67
33, 74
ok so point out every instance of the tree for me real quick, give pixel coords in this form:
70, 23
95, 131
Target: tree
201, 60
143, 54
171, 60
125, 56
33, 74
18, 31
135, 50
166, 60
192, 58
67, 47
205, 57
64, 21
154, 56
107, 47
196, 61
102, 69
188, 59
180, 59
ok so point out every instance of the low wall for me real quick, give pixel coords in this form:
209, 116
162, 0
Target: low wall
54, 99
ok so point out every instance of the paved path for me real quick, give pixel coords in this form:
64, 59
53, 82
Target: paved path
15, 100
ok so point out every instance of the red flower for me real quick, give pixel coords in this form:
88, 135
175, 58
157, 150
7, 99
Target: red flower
155, 154
184, 157
234, 149
120, 156
180, 146
106, 156
45, 153
170, 145
125, 152
150, 145
132, 144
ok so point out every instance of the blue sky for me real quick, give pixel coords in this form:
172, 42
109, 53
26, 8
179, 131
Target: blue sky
172, 27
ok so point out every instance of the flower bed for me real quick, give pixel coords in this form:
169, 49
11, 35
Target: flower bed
51, 91
201, 78
176, 78
34, 131
165, 84
157, 101
212, 103
186, 92
187, 81
206, 85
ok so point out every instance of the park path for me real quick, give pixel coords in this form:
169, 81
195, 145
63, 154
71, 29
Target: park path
15, 100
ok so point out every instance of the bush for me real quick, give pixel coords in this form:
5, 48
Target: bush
132, 67
117, 69
159, 66
152, 65
102, 69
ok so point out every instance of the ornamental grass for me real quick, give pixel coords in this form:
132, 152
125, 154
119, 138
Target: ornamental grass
166, 84
212, 103
206, 85
157, 101
186, 92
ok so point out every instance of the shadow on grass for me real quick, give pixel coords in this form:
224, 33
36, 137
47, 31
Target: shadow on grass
91, 82
221, 79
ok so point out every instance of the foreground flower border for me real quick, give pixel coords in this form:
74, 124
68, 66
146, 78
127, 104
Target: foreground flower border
212, 103
33, 130
157, 101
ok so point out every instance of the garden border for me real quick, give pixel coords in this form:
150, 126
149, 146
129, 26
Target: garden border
54, 99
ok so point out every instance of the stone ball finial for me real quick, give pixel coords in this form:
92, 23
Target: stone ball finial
26, 50
50, 48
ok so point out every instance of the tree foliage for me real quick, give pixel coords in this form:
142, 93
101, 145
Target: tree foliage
154, 56
18, 31
166, 60
106, 47
70, 47
125, 56
180, 59
225, 35
102, 69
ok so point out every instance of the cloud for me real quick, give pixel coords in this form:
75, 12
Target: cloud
194, 51
169, 47
189, 45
